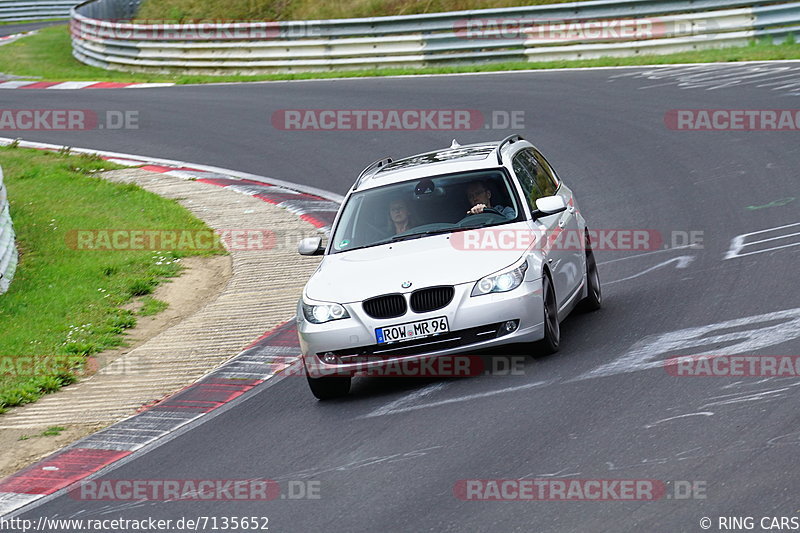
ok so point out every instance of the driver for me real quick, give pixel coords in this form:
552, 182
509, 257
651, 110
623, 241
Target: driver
480, 198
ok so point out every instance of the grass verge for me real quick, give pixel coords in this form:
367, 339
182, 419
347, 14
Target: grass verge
47, 56
65, 303
186, 10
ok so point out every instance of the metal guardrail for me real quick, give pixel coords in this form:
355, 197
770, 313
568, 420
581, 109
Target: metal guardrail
8, 247
103, 36
22, 10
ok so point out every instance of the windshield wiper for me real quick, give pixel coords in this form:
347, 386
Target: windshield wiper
424, 234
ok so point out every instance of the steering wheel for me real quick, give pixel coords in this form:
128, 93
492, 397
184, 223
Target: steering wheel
488, 210
479, 219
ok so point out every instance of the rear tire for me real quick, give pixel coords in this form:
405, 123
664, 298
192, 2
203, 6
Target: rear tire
594, 294
552, 329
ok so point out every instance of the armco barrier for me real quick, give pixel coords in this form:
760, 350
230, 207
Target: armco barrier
103, 36
8, 247
22, 10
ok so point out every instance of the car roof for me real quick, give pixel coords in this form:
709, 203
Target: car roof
456, 158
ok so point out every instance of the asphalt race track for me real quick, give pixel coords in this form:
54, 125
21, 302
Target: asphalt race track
19, 27
389, 456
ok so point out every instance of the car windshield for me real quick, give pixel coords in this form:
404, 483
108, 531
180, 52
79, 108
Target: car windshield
423, 207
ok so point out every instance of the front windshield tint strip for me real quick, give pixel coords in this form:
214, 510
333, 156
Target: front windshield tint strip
423, 207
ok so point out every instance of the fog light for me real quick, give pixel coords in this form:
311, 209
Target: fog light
507, 327
330, 359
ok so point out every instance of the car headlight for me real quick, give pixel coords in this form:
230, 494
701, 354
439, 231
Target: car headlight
502, 282
321, 313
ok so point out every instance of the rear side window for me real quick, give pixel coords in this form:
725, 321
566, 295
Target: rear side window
535, 176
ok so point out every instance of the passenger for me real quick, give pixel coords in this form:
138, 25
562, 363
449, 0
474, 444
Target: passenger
400, 217
480, 198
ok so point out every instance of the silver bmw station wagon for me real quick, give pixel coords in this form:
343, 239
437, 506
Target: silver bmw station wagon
445, 252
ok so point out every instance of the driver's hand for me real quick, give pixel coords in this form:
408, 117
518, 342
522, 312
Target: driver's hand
477, 209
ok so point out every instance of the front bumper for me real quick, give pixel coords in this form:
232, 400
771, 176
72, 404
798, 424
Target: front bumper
475, 323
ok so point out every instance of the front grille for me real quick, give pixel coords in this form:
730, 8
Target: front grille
387, 306
431, 299
453, 339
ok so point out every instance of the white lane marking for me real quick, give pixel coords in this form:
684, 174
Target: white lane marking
694, 246
311, 473
791, 73
15, 84
702, 340
682, 261
657, 422
748, 397
719, 76
722, 75
789, 438
10, 501
740, 242
124, 507
148, 85
407, 399
786, 86
71, 85
738, 80
458, 399
560, 473
691, 450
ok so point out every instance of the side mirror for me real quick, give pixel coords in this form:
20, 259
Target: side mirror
311, 246
549, 205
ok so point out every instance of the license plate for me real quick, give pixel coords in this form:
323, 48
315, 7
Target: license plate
412, 330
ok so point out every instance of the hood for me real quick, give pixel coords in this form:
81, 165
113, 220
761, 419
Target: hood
429, 261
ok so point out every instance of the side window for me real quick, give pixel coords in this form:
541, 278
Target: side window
525, 179
551, 174
545, 182
535, 176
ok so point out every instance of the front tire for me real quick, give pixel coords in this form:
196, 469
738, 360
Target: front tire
552, 329
594, 294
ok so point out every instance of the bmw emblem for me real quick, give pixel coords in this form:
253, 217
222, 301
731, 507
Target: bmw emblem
406, 284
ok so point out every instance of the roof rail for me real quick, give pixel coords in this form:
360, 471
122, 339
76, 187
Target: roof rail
371, 169
511, 139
